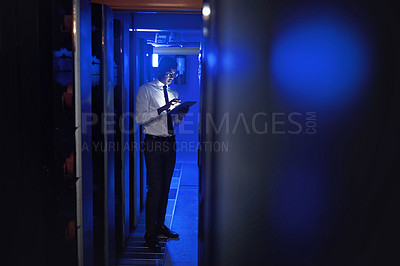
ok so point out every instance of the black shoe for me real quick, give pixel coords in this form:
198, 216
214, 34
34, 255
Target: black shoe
165, 231
152, 242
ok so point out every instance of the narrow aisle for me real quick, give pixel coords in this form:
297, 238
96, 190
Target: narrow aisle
185, 220
136, 252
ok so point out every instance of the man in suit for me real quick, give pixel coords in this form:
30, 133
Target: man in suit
153, 101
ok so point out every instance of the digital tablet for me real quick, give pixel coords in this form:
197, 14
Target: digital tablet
181, 105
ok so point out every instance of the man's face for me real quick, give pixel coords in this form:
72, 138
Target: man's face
168, 76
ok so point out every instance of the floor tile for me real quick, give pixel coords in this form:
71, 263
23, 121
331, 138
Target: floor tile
182, 216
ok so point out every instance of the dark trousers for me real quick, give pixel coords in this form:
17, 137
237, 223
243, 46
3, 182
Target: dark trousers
160, 157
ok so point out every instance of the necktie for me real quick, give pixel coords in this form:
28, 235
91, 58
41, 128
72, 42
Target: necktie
169, 118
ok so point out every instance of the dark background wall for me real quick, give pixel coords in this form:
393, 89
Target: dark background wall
284, 196
26, 54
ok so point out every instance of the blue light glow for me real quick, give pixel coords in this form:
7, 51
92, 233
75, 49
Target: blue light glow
211, 60
155, 60
319, 60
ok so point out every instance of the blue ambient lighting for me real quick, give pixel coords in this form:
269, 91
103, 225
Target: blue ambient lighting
211, 60
319, 59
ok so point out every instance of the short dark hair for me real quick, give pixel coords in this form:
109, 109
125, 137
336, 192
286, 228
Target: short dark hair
166, 63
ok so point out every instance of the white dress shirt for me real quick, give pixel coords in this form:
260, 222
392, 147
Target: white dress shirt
149, 98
